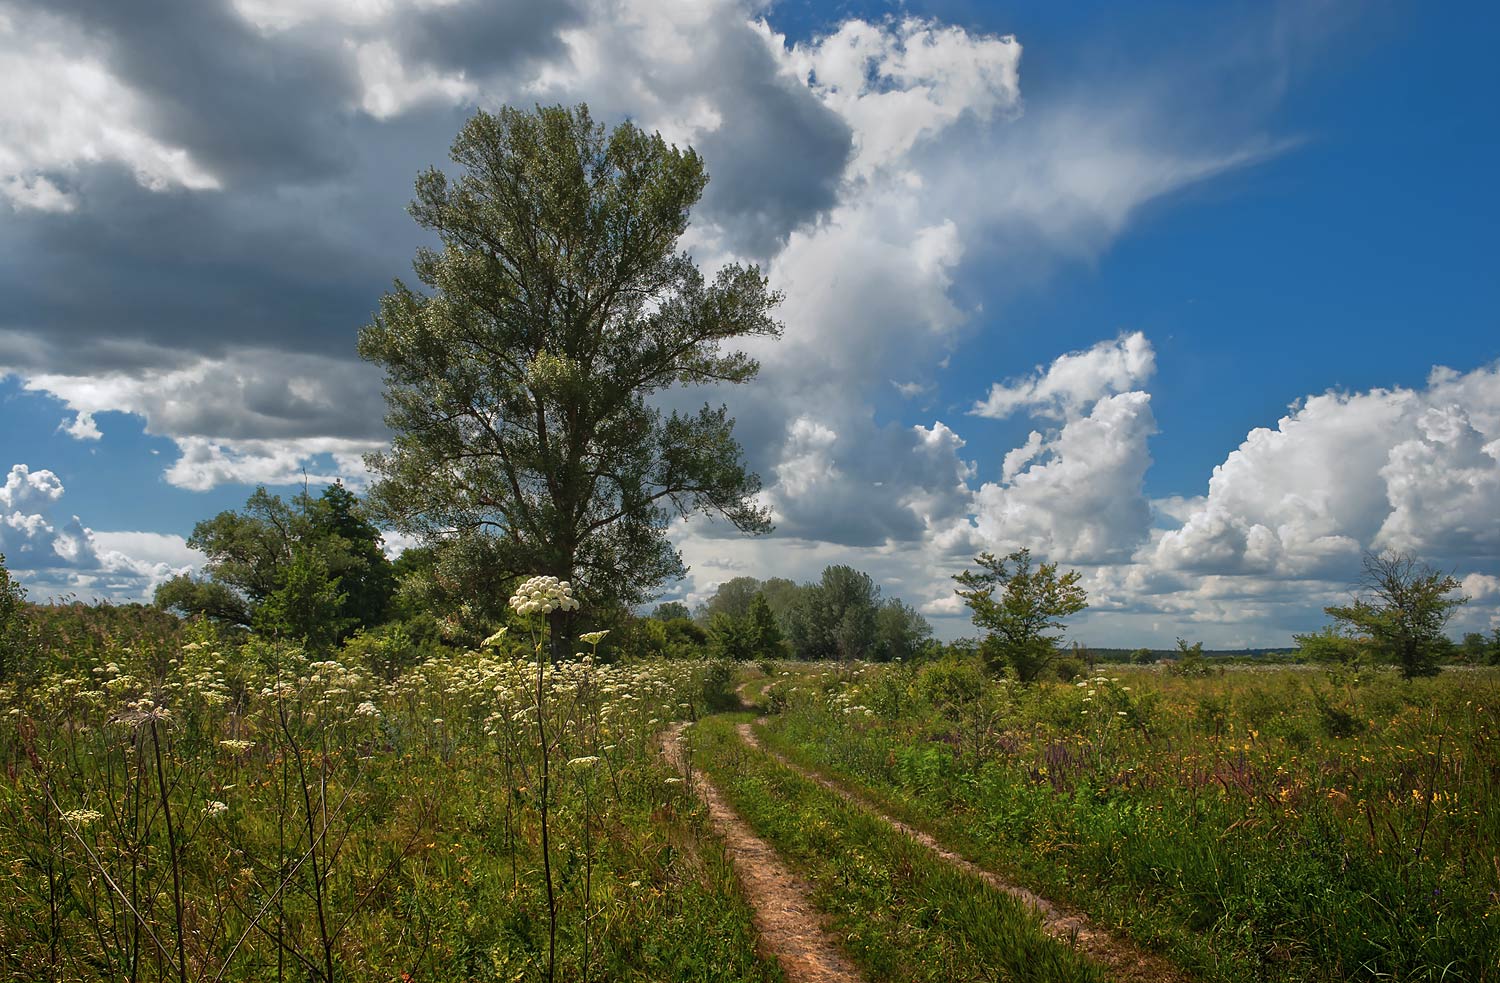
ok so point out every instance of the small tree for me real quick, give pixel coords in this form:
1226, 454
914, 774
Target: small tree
1030, 605
1402, 607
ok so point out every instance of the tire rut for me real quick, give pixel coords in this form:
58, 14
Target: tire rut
1124, 961
790, 926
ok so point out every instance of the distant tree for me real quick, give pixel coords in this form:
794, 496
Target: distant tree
836, 616
1020, 607
900, 631
731, 638
307, 605
1329, 645
671, 610
521, 384
12, 601
732, 597
311, 569
783, 597
187, 595
1473, 648
350, 545
1142, 656
1402, 606
765, 634
1189, 659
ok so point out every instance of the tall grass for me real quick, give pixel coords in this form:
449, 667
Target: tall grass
1282, 825
227, 811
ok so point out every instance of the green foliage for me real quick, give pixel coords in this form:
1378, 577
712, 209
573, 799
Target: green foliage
187, 595
765, 634
900, 631
520, 385
1329, 645
670, 611
730, 638
1278, 827
718, 685
1030, 606
310, 570
13, 648
733, 598
1189, 661
835, 618
1402, 610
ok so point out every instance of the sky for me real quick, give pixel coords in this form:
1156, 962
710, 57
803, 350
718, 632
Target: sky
1196, 299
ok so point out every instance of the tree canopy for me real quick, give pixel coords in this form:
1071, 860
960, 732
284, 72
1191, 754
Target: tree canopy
1401, 609
311, 569
1021, 608
519, 383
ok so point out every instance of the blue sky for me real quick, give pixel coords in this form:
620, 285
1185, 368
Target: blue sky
1174, 241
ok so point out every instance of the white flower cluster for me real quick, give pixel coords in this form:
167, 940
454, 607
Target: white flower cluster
543, 595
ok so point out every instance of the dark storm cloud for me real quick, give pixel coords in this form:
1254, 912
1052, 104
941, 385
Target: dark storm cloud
483, 37
776, 160
248, 107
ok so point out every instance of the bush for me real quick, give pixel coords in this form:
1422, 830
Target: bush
718, 685
1069, 669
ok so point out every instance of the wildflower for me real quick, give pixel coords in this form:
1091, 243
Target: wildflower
494, 639
367, 709
593, 637
543, 595
587, 761
83, 817
213, 807
236, 746
674, 781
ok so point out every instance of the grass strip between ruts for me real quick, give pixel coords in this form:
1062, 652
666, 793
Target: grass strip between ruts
901, 913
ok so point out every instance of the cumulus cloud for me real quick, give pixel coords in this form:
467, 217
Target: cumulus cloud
1079, 498
257, 416
55, 556
1074, 380
1416, 470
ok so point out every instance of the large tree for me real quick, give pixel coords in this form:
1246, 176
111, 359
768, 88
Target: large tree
520, 382
1402, 607
1021, 607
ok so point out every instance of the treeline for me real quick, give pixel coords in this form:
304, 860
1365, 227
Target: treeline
841, 616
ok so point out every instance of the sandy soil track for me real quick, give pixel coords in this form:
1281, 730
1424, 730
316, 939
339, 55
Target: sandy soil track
790, 926
1123, 961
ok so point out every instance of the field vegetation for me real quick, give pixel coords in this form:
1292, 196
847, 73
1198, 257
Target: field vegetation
1255, 824
183, 803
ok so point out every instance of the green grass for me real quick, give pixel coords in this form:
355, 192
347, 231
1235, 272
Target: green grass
1216, 819
901, 913
368, 829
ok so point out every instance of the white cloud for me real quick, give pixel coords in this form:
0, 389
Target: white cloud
900, 83
82, 426
57, 557
1079, 498
25, 488
63, 107
1075, 380
1411, 469
252, 416
391, 87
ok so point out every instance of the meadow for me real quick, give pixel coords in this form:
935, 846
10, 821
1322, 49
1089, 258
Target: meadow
183, 804
1253, 824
